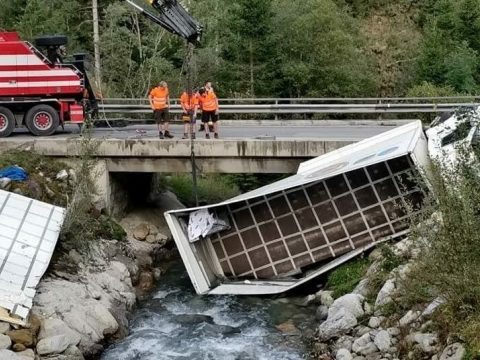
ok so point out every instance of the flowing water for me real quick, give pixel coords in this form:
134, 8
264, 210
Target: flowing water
175, 323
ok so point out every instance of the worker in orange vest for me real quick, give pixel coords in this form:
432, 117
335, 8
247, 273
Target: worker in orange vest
160, 102
209, 104
189, 103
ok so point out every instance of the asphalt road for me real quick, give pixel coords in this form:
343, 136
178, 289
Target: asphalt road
319, 132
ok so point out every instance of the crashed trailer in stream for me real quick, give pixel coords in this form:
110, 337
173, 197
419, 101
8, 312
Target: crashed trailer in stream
282, 235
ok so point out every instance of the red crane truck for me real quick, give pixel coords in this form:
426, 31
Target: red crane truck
34, 91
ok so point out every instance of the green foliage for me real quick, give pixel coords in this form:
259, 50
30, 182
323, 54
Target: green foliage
211, 188
274, 48
450, 249
343, 279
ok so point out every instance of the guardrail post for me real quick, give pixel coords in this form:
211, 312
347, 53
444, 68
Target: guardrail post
276, 114
380, 117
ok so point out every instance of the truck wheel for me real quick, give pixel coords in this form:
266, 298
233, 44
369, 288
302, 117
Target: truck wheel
7, 122
42, 120
54, 40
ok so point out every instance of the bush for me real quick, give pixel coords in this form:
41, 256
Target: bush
210, 188
449, 260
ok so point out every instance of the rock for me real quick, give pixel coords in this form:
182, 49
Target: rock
362, 330
352, 303
215, 330
157, 273
4, 327
153, 230
362, 288
34, 189
34, 323
409, 317
19, 348
161, 239
343, 354
367, 308
426, 342
321, 313
26, 354
72, 175
146, 281
429, 310
455, 351
62, 175
53, 327
9, 355
325, 297
5, 183
375, 255
18, 191
189, 319
141, 232
392, 350
374, 322
364, 345
5, 342
344, 342
337, 324
151, 239
382, 340
310, 299
288, 327
384, 295
24, 337
53, 345
393, 331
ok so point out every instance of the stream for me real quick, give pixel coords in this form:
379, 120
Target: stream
175, 323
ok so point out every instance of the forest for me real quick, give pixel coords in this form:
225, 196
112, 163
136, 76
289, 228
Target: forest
275, 48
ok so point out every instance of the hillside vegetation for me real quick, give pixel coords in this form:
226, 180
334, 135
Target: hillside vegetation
325, 48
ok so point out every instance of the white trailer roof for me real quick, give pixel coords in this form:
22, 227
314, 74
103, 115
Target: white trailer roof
29, 231
388, 145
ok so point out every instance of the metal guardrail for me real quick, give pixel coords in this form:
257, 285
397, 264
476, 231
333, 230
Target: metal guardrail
298, 108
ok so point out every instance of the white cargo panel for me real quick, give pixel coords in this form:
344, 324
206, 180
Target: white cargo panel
29, 231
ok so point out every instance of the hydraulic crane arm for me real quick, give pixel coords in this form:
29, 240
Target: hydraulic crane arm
174, 18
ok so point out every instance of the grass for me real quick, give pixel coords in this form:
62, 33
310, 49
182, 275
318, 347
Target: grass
211, 188
343, 279
42, 172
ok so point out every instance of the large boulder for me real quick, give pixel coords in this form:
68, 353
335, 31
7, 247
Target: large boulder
453, 352
385, 294
5, 342
53, 327
53, 345
352, 303
336, 324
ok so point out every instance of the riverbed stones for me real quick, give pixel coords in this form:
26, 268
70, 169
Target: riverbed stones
455, 351
53, 327
53, 345
352, 303
382, 340
23, 336
385, 294
321, 313
409, 318
426, 342
288, 328
374, 322
4, 327
9, 355
343, 354
336, 324
141, 232
189, 319
5, 342
364, 345
146, 281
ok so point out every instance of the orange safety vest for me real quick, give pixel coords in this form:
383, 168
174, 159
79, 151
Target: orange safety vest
159, 95
208, 101
189, 102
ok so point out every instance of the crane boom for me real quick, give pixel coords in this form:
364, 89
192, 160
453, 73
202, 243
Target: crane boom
172, 17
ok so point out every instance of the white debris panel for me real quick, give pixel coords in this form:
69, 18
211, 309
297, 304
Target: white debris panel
29, 231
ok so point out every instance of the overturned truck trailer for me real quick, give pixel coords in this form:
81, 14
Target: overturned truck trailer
280, 236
